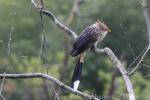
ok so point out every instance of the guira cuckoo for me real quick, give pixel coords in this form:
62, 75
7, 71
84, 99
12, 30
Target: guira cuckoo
88, 38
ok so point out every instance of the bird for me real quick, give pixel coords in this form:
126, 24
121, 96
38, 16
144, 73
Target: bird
88, 38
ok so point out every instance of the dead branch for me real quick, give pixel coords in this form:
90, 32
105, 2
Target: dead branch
50, 78
55, 20
140, 61
121, 68
2, 88
146, 8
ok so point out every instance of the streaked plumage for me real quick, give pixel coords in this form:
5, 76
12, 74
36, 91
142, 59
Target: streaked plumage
90, 36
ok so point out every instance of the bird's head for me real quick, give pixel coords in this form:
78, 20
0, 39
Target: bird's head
100, 25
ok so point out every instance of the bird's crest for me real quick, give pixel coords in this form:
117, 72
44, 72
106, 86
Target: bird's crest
102, 26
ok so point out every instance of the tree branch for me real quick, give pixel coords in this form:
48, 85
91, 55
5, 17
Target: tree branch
146, 8
2, 88
140, 61
50, 78
121, 68
55, 20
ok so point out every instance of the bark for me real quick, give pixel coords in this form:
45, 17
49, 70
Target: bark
49, 78
120, 67
146, 9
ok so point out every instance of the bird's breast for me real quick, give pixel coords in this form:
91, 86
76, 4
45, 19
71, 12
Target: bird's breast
102, 36
95, 34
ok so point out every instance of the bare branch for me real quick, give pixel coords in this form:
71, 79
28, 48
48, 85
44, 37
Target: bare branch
2, 83
58, 23
146, 7
121, 68
137, 58
55, 20
146, 65
55, 92
140, 61
50, 78
35, 5
2, 87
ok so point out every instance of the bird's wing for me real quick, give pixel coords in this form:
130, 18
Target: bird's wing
86, 39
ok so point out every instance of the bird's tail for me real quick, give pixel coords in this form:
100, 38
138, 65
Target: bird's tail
77, 71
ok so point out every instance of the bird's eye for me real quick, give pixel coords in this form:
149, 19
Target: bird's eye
103, 29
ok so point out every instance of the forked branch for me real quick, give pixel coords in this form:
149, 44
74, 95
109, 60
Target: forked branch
121, 68
50, 78
55, 20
